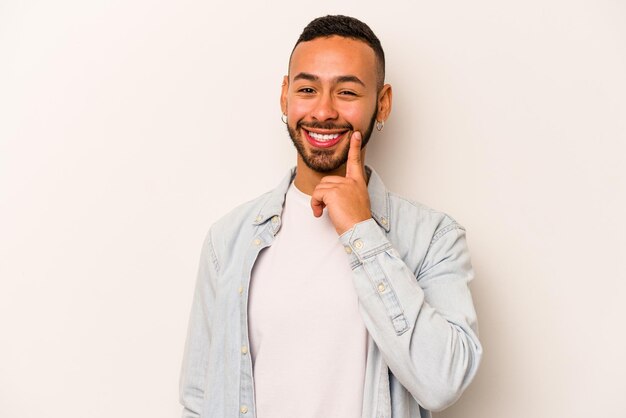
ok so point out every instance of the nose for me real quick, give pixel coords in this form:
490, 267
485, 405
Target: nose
324, 108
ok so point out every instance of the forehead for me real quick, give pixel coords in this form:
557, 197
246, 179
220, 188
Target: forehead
334, 56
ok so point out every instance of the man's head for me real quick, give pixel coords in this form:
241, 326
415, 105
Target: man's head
346, 27
335, 86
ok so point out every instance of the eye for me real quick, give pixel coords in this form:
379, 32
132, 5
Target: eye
347, 93
306, 90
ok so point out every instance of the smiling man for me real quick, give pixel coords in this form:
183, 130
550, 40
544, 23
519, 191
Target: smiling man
330, 296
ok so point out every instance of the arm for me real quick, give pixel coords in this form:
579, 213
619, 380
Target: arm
194, 367
424, 323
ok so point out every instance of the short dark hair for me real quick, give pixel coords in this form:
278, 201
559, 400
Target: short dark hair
348, 27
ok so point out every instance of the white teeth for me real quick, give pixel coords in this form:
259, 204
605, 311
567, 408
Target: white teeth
320, 137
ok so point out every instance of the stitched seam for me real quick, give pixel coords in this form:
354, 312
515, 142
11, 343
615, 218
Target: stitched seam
395, 312
451, 227
387, 208
374, 251
212, 254
445, 230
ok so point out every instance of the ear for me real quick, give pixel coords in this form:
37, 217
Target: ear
384, 103
283, 94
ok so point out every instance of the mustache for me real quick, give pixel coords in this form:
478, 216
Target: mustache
321, 125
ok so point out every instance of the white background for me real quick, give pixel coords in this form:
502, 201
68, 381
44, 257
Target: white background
128, 127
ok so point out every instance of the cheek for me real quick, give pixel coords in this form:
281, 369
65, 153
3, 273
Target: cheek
357, 115
299, 108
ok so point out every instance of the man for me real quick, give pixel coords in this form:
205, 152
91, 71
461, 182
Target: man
330, 296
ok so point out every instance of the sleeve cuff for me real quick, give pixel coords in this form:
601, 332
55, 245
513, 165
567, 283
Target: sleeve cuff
365, 239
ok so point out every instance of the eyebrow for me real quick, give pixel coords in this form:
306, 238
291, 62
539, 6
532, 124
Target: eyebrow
338, 79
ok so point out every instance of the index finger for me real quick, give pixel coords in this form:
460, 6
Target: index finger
354, 165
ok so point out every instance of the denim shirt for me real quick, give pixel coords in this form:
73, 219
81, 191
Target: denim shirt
411, 269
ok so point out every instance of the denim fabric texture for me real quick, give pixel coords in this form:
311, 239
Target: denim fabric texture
411, 268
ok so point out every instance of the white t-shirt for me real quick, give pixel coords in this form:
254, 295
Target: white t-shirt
308, 341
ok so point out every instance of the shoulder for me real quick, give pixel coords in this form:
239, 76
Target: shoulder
421, 233
413, 215
242, 223
237, 223
243, 213
404, 218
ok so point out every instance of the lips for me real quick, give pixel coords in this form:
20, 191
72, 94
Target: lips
323, 140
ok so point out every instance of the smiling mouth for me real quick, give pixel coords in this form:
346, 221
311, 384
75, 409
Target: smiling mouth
322, 140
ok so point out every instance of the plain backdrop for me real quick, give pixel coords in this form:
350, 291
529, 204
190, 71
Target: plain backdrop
128, 127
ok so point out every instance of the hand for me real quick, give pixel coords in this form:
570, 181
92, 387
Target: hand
346, 198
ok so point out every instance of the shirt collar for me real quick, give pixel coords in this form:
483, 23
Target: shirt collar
379, 199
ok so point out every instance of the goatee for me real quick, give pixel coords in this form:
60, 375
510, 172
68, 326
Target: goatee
320, 159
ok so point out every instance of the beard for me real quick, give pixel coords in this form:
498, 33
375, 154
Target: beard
325, 160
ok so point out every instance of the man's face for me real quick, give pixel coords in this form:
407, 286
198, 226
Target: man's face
330, 93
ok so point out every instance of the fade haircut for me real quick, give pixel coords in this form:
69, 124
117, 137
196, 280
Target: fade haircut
347, 27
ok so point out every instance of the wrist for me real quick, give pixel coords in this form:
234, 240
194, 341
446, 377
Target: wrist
349, 225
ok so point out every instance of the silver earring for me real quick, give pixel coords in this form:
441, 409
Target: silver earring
380, 125
284, 118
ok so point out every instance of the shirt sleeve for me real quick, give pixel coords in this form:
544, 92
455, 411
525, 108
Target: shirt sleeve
423, 322
194, 368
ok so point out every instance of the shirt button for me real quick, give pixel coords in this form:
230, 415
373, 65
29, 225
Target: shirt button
257, 242
348, 249
384, 221
240, 290
381, 287
258, 218
358, 244
275, 220
243, 409
244, 350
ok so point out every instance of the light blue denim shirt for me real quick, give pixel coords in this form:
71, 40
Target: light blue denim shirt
411, 269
